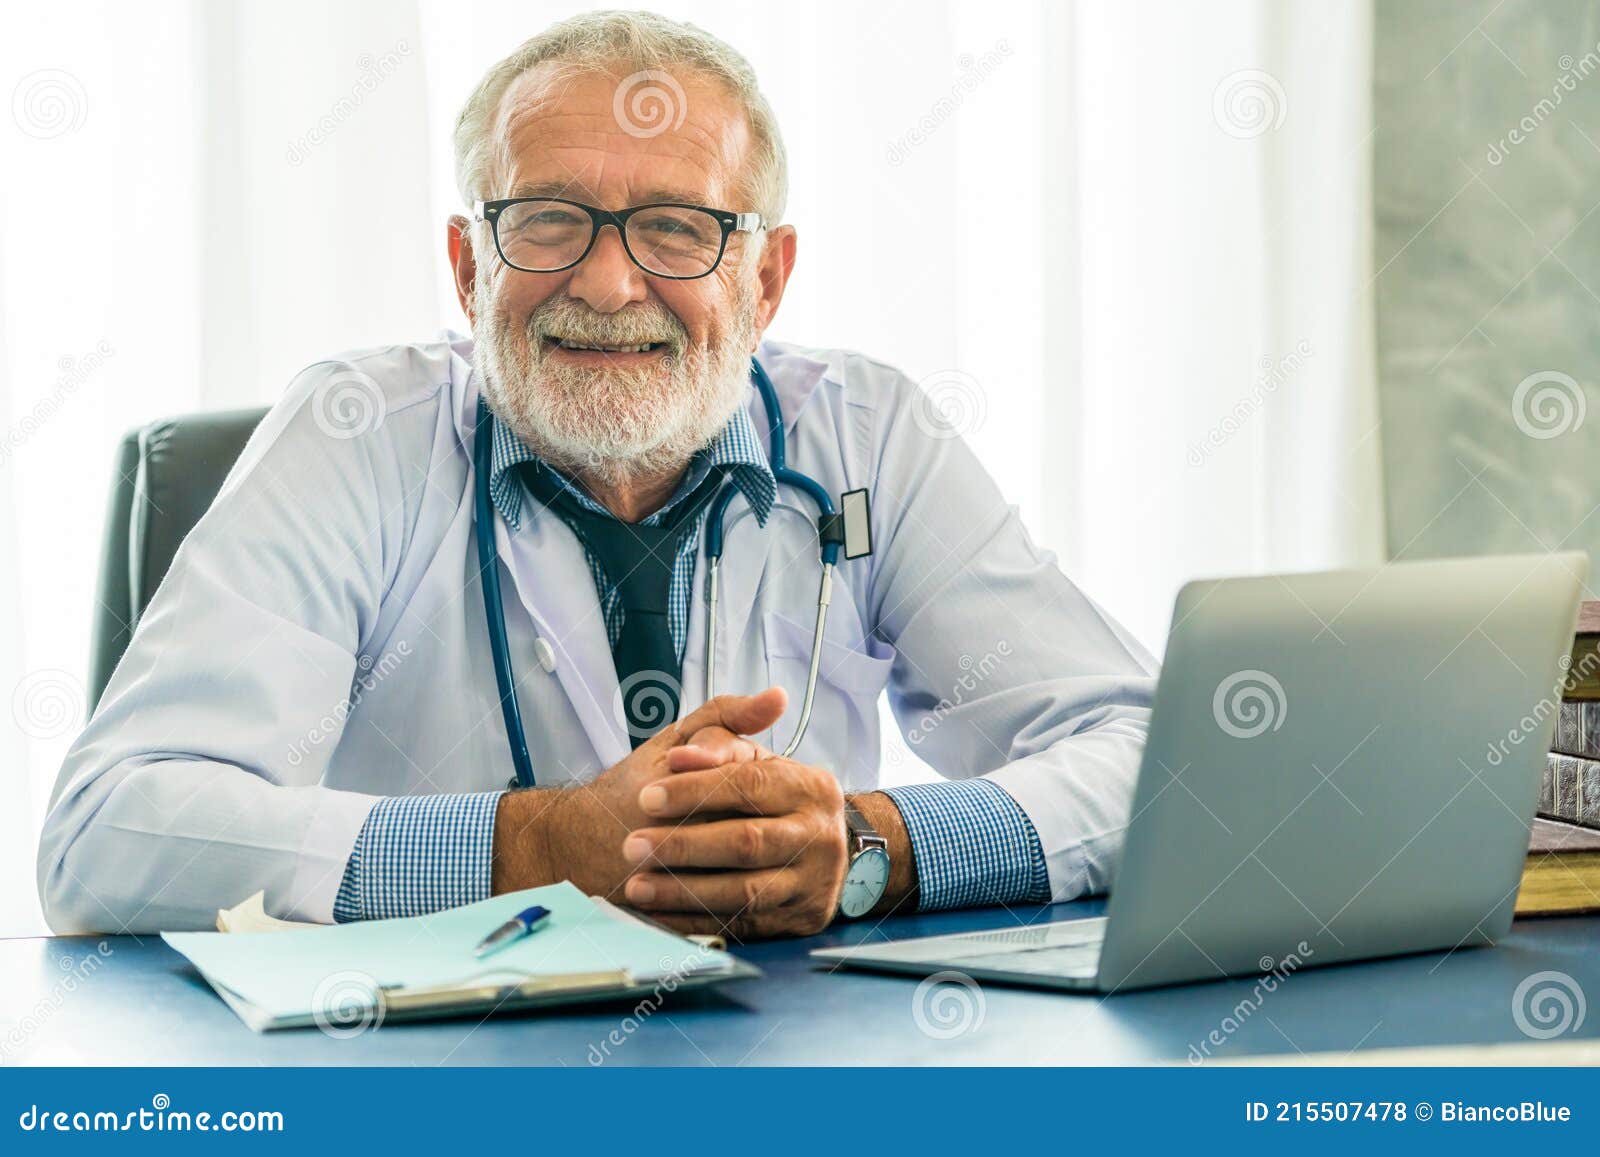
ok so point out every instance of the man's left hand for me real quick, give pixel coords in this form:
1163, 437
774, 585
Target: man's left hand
772, 864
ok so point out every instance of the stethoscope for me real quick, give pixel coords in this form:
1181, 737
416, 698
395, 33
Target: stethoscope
830, 535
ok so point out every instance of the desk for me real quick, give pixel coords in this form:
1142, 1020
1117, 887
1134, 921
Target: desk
141, 1004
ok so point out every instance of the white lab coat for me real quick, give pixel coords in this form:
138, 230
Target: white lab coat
320, 643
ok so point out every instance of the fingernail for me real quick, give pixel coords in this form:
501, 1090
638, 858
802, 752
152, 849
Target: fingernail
635, 848
641, 891
653, 799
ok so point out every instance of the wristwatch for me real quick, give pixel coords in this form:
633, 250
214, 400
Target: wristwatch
868, 874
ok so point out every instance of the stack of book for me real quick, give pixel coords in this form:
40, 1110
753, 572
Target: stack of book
1571, 789
1563, 870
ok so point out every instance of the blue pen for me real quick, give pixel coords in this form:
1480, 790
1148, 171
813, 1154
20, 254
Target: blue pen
524, 923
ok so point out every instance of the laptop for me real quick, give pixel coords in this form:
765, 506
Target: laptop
1340, 766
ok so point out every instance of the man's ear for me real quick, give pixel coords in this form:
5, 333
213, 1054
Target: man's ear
777, 263
463, 263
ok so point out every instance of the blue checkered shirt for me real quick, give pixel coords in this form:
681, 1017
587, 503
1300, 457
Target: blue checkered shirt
973, 844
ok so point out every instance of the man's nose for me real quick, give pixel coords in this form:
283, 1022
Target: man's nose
607, 279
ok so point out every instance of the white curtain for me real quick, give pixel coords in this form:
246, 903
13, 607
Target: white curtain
1126, 245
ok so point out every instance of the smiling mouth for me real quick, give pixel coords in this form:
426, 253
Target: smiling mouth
604, 348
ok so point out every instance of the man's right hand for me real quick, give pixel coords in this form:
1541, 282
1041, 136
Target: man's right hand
576, 833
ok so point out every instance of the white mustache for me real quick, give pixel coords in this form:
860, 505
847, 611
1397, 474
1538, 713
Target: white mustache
590, 328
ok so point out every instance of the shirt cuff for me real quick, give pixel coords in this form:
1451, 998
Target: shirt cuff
418, 854
973, 845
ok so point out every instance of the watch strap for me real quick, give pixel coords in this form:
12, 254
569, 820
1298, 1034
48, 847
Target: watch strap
860, 832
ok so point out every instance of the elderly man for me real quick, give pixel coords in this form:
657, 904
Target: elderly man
310, 705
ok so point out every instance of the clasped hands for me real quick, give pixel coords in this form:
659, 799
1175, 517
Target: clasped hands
740, 840
700, 827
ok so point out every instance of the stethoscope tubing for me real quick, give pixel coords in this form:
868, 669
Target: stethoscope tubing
493, 608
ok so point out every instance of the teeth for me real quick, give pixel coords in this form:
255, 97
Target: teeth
610, 349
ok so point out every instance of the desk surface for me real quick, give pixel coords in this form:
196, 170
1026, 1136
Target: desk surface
139, 1003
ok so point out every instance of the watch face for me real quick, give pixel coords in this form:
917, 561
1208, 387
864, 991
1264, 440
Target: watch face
864, 882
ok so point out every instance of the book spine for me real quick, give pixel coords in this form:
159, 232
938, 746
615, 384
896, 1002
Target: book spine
1570, 790
1578, 729
1583, 672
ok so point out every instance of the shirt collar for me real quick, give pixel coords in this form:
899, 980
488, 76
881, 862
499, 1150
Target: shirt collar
737, 447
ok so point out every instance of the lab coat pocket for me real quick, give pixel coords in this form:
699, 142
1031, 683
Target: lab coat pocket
843, 735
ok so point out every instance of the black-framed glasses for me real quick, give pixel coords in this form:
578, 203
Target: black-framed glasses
549, 234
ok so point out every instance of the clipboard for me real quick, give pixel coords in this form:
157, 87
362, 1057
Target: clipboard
275, 975
444, 1002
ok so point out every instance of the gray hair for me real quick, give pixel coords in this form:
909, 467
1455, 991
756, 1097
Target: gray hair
641, 42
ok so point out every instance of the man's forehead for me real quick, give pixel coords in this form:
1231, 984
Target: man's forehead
579, 135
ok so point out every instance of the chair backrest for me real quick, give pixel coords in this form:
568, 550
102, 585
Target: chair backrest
166, 475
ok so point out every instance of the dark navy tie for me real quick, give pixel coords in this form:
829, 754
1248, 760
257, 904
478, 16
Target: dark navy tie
639, 561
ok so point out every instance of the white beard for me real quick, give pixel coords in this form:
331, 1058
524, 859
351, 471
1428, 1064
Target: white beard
613, 423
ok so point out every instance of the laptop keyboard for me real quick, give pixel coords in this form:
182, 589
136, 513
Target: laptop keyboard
1035, 938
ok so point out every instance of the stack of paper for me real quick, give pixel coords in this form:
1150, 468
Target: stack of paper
354, 974
250, 915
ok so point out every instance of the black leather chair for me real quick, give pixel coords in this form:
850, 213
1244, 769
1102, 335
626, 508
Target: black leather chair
167, 473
